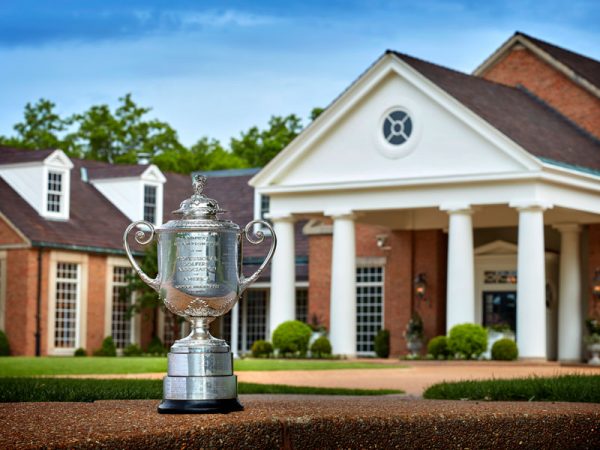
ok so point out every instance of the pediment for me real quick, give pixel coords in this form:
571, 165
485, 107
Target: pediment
347, 144
58, 159
497, 248
153, 173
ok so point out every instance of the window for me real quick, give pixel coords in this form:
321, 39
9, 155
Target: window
397, 127
302, 305
55, 192
67, 305
121, 322
264, 206
369, 307
252, 324
150, 203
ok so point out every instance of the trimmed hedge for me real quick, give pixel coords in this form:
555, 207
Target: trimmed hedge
382, 343
467, 340
292, 338
261, 349
132, 350
438, 347
156, 347
321, 347
4, 345
505, 350
108, 348
80, 352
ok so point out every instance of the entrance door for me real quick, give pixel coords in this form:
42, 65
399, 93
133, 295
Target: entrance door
500, 308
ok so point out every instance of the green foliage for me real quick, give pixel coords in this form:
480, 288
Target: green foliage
382, 343
467, 340
414, 328
156, 347
564, 388
89, 390
321, 347
505, 350
316, 112
258, 147
132, 350
262, 349
4, 345
108, 348
80, 352
292, 338
593, 326
438, 347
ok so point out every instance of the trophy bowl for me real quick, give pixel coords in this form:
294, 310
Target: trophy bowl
200, 279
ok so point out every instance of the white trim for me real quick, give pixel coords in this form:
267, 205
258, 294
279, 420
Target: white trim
267, 284
400, 151
386, 65
81, 259
3, 281
158, 213
65, 194
111, 263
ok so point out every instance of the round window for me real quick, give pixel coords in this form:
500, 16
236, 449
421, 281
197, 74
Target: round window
397, 127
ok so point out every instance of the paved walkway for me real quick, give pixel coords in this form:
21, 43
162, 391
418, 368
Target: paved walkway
413, 379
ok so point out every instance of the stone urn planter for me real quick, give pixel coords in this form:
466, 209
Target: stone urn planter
414, 346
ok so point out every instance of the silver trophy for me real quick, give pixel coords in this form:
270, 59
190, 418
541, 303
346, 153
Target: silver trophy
199, 278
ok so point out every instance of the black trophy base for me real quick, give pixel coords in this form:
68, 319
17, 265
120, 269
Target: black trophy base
218, 406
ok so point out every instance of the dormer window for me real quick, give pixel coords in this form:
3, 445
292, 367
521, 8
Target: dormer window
150, 203
55, 192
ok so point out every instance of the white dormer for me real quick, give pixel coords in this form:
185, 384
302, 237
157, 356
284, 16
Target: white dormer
45, 183
137, 195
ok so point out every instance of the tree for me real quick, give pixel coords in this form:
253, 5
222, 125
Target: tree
316, 112
41, 128
121, 137
258, 147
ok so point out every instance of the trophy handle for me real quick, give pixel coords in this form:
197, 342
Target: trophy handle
259, 237
140, 238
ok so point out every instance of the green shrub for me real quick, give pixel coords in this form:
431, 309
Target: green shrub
156, 347
292, 337
80, 352
261, 349
132, 350
321, 347
108, 348
505, 350
382, 343
4, 346
467, 340
438, 347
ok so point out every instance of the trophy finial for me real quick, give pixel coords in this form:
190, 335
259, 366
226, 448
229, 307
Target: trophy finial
199, 183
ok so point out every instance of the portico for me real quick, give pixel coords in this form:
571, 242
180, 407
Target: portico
398, 151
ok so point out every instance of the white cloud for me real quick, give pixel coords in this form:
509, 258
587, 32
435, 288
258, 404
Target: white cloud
222, 18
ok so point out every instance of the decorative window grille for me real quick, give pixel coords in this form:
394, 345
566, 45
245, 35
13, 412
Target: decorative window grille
369, 307
500, 277
256, 316
121, 323
397, 127
66, 301
150, 203
302, 305
55, 192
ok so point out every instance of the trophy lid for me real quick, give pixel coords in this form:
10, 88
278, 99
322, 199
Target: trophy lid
199, 206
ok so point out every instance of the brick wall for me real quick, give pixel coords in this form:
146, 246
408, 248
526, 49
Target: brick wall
8, 235
96, 301
21, 282
520, 66
423, 250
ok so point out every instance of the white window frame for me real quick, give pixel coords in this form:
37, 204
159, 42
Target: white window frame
363, 263
135, 333
2, 289
159, 201
258, 213
65, 195
82, 297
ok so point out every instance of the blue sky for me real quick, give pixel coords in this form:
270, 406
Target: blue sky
216, 68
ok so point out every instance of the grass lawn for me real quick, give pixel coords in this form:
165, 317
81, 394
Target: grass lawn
88, 390
564, 388
26, 366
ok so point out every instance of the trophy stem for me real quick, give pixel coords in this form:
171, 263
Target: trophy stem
201, 329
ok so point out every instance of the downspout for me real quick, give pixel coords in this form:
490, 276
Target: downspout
38, 310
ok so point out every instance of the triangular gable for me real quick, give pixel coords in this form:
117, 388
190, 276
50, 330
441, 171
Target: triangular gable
153, 173
497, 248
339, 146
58, 159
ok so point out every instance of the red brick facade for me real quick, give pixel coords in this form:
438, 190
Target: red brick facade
521, 67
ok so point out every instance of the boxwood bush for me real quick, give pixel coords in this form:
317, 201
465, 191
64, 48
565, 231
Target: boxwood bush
382, 343
467, 340
4, 346
292, 337
321, 347
132, 350
261, 349
156, 347
108, 348
505, 350
80, 352
438, 347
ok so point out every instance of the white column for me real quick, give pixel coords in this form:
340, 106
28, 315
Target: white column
342, 320
282, 300
531, 282
569, 297
235, 320
460, 295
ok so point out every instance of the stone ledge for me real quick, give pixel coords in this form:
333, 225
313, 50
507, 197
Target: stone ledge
299, 422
